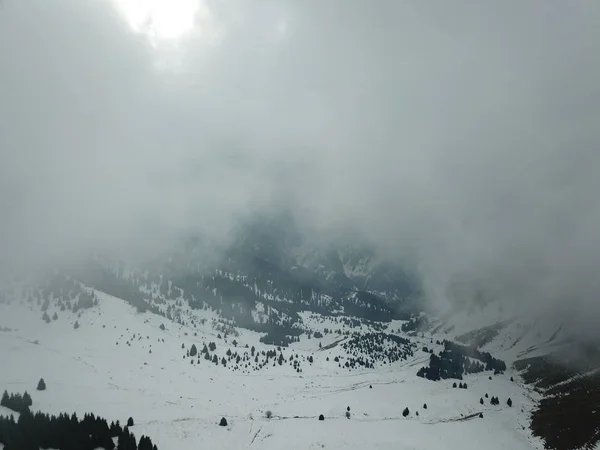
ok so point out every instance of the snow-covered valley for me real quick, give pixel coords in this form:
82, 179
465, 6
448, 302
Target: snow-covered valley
120, 363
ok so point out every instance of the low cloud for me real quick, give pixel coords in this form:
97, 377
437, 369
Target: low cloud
465, 137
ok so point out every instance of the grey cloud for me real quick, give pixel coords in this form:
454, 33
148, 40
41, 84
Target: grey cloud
465, 134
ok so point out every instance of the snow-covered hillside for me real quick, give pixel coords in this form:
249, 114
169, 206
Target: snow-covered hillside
119, 362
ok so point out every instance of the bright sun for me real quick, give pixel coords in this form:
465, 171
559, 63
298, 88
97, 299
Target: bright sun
161, 20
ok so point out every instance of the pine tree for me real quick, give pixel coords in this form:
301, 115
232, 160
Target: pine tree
130, 422
481, 401
5, 399
27, 402
509, 402
193, 350
406, 412
41, 385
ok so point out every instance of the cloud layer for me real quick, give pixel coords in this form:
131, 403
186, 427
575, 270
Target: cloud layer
466, 135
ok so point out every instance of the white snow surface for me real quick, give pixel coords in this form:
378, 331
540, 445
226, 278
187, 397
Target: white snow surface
179, 405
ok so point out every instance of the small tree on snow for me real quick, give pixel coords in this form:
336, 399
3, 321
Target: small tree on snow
41, 385
406, 412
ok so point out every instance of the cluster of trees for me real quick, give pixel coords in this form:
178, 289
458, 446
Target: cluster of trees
246, 359
64, 432
417, 323
281, 336
17, 402
61, 292
456, 360
365, 350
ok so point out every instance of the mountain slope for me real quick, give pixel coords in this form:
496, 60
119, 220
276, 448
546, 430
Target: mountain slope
120, 362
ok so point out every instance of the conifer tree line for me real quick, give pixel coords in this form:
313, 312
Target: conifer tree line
32, 431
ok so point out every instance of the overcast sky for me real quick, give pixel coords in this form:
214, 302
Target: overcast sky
467, 132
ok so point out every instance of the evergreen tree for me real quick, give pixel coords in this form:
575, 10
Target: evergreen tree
193, 350
5, 399
41, 385
130, 422
509, 402
406, 412
27, 402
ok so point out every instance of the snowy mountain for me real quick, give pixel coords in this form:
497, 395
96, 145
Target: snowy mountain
275, 329
118, 362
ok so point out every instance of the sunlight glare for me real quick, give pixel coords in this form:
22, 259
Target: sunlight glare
161, 20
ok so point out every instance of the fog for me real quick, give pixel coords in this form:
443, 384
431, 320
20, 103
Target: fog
464, 135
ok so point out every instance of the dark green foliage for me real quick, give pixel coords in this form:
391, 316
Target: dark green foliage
481, 401
41, 385
509, 402
406, 412
223, 422
370, 348
424, 405
17, 402
193, 350
130, 422
64, 432
321, 417
46, 317
456, 360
